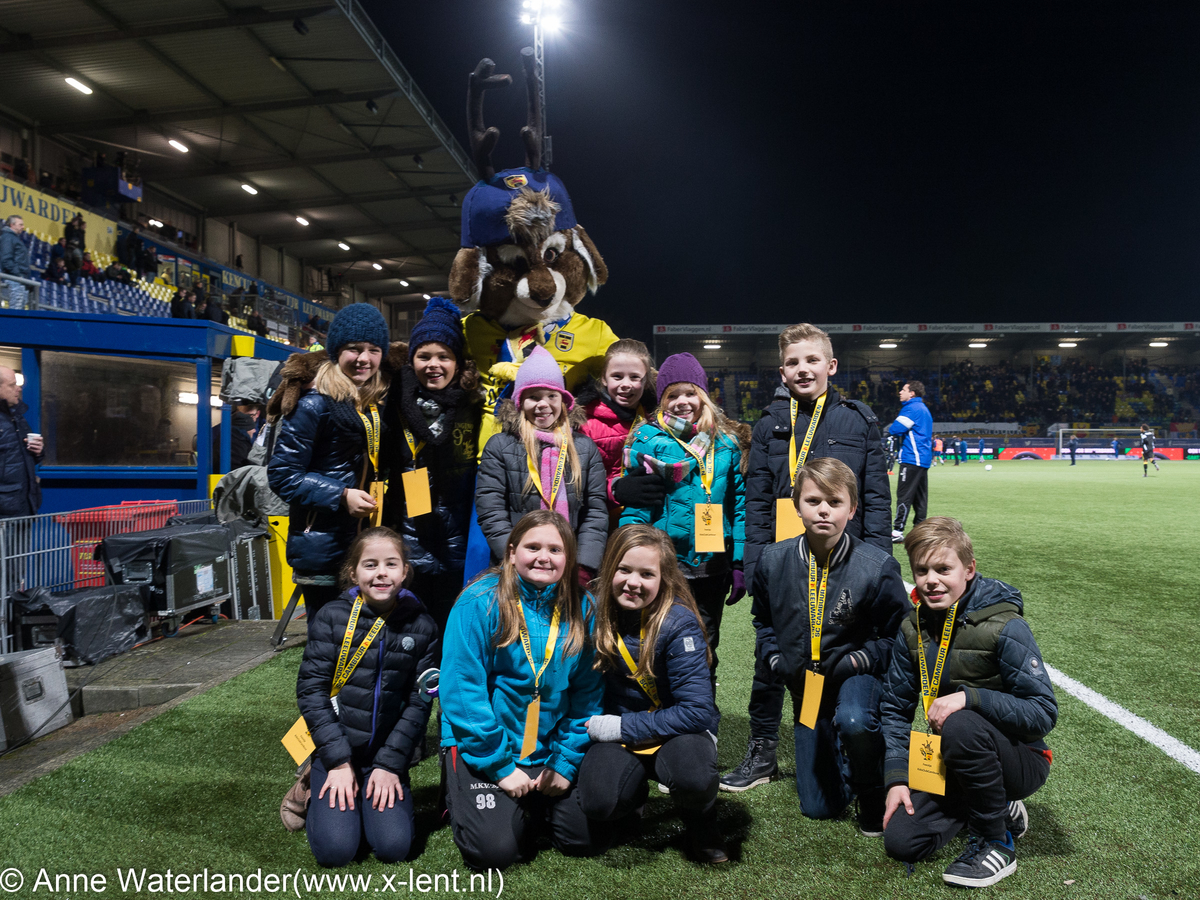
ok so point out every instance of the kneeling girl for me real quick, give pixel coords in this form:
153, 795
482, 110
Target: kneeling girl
358, 692
659, 716
518, 687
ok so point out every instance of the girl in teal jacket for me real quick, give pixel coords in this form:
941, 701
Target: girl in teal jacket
700, 455
517, 688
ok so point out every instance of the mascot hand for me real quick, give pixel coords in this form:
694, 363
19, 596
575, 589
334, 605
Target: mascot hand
504, 371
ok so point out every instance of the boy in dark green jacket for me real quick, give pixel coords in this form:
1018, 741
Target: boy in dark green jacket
967, 653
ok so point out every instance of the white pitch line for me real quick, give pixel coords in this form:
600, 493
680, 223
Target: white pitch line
1177, 750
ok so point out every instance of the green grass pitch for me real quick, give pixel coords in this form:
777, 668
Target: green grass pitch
1107, 562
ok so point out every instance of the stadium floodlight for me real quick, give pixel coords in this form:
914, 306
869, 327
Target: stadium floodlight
712, 346
426, 296
189, 398
156, 223
343, 245
302, 220
977, 346
1067, 345
250, 189
178, 145
526, 19
79, 86
1158, 343
403, 283
377, 267
887, 346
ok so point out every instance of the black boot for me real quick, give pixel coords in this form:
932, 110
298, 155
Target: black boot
757, 767
705, 842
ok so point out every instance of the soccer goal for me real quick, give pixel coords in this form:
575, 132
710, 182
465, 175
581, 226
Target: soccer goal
1097, 443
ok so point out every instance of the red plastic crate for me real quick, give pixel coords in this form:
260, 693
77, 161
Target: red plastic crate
88, 527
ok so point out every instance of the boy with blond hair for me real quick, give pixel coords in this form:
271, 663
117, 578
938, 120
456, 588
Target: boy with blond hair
968, 654
808, 419
826, 610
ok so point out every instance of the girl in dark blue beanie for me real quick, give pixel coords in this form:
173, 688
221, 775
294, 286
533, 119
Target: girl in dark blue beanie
432, 417
327, 453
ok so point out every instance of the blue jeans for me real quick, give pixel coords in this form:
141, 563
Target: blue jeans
843, 755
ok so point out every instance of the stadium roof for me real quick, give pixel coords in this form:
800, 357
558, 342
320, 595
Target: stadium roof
303, 101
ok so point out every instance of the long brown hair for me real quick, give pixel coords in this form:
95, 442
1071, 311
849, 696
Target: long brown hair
347, 575
672, 589
336, 385
567, 600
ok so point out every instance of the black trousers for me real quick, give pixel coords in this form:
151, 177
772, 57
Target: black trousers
493, 831
985, 771
912, 492
767, 691
613, 781
710, 594
438, 593
316, 596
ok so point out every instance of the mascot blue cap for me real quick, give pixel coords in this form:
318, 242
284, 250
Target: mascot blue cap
486, 205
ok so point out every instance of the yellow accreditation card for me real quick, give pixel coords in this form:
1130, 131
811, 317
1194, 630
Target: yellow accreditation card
787, 521
378, 489
926, 769
814, 684
533, 713
710, 528
298, 741
416, 492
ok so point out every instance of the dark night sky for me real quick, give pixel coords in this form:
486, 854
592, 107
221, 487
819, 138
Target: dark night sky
855, 162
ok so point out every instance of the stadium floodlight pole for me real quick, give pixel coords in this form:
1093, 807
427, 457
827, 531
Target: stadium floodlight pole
536, 15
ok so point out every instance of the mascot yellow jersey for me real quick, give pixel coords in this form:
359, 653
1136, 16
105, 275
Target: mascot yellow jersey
578, 343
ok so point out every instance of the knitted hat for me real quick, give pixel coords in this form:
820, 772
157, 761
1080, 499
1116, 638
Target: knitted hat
441, 322
485, 208
681, 367
354, 323
541, 371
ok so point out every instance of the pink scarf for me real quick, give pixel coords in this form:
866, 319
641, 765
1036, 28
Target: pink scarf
549, 465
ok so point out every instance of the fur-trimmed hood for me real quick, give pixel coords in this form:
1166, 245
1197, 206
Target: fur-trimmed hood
591, 391
509, 417
300, 369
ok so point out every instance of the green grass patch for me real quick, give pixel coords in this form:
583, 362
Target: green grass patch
1104, 558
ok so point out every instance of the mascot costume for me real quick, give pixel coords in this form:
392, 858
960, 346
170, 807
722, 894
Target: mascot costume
525, 262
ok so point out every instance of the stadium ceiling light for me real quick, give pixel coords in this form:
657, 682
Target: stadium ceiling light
1158, 343
887, 346
426, 296
977, 346
178, 145
712, 346
403, 283
418, 162
302, 220
1067, 344
79, 86
249, 189
377, 267
343, 245
189, 398
156, 223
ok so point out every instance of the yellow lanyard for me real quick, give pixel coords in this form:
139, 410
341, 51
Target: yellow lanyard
342, 673
797, 460
708, 466
413, 447
646, 683
929, 689
558, 477
537, 673
816, 607
373, 431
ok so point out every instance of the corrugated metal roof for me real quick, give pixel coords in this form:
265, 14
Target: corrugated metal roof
222, 78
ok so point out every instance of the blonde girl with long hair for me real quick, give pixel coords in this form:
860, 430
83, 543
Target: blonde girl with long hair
517, 688
659, 717
326, 452
540, 461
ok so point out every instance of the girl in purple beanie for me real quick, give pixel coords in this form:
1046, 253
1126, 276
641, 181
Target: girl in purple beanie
540, 461
700, 456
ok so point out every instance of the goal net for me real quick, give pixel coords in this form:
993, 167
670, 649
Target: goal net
1097, 443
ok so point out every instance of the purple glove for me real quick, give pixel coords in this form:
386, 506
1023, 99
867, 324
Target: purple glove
738, 590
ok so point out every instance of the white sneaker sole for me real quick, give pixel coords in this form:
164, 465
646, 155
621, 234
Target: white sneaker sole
766, 779
980, 882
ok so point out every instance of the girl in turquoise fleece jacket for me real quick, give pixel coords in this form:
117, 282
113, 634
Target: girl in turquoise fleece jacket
517, 688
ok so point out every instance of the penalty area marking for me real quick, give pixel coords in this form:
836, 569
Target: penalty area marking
1176, 749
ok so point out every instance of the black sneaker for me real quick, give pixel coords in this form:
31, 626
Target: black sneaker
982, 862
870, 813
1017, 821
757, 767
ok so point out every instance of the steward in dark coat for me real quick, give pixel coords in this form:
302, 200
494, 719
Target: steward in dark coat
20, 492
848, 431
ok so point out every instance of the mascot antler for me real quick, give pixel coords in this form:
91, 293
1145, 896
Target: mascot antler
483, 139
532, 133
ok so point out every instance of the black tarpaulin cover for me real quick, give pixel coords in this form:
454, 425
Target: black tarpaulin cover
162, 552
93, 623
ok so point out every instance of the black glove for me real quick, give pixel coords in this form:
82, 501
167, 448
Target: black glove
775, 662
853, 663
639, 489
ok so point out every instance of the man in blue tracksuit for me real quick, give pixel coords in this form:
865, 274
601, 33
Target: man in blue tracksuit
914, 425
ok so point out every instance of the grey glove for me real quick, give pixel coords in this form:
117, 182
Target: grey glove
604, 729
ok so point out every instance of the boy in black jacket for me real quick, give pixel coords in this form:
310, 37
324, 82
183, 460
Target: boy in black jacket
990, 701
807, 420
826, 610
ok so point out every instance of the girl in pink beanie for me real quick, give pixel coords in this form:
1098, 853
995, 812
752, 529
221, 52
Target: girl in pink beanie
539, 461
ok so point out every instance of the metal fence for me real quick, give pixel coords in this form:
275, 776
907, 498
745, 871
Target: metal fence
55, 550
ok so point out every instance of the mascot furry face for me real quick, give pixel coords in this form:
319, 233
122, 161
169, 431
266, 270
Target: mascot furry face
524, 258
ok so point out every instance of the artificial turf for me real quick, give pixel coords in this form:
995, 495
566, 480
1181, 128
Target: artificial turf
1107, 564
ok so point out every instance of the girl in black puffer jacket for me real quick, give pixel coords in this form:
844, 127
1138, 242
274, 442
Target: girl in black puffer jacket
322, 463
432, 424
365, 735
